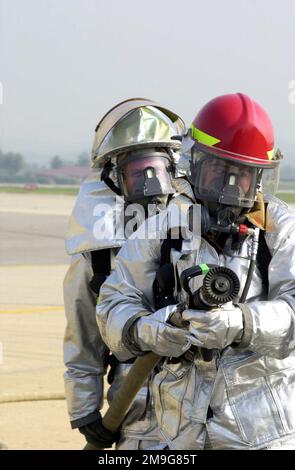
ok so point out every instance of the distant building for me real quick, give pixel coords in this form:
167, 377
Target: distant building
72, 173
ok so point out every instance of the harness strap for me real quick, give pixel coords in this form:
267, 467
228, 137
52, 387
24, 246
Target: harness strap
101, 266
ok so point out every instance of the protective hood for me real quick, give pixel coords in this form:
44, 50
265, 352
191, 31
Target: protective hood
93, 220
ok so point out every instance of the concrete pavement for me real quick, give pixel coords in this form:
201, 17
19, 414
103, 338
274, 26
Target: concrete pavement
32, 322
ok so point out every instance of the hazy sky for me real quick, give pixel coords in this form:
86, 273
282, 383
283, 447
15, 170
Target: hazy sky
64, 63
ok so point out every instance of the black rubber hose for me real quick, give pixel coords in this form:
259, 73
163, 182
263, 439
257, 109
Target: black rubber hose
248, 281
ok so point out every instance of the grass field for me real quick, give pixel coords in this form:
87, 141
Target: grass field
47, 190
288, 196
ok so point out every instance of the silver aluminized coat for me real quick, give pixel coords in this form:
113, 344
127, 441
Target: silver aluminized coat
250, 388
85, 354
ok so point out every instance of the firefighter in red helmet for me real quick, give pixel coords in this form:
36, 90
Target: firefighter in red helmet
232, 146
241, 395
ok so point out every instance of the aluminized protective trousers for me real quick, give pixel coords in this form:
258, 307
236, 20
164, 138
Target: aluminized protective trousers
244, 398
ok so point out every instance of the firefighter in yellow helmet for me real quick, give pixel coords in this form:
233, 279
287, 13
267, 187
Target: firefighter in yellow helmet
134, 159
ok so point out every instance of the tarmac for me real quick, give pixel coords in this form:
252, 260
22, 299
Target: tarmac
33, 263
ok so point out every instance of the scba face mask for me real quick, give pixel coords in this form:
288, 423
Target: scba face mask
145, 176
223, 181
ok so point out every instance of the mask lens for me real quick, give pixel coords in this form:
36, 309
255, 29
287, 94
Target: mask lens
144, 177
224, 181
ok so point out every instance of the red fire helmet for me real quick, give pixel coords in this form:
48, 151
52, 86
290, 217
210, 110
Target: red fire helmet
236, 127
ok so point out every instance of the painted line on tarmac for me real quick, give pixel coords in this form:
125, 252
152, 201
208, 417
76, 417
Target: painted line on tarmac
35, 234
32, 310
62, 213
14, 266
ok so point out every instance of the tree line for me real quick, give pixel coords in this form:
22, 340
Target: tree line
14, 167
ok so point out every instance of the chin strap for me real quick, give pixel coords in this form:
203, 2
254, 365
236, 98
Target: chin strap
107, 180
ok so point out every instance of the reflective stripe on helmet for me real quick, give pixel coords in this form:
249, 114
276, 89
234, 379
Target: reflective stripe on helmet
270, 154
202, 137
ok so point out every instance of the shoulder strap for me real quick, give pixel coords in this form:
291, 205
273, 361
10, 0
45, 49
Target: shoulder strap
101, 266
167, 245
164, 283
263, 259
